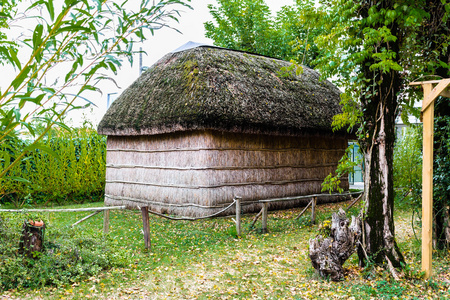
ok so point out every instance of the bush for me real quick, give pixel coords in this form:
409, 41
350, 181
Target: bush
75, 171
408, 166
69, 256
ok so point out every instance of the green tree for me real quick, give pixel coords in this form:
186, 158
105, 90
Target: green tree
65, 49
248, 25
376, 48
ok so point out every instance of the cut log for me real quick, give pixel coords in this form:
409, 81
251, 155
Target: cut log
32, 240
328, 254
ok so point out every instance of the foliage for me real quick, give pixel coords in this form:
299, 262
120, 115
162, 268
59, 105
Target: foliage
85, 40
441, 189
248, 25
69, 256
408, 166
75, 172
345, 166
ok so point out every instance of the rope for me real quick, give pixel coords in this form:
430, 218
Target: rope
189, 218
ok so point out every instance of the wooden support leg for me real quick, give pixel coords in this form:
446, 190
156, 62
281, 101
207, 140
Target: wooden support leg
427, 188
313, 210
303, 211
146, 226
238, 216
264, 218
105, 221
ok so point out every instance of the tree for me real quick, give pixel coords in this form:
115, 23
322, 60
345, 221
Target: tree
85, 40
376, 47
247, 25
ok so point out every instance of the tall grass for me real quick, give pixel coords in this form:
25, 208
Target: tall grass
75, 173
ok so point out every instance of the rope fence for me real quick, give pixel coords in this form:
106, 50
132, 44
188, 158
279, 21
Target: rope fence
237, 201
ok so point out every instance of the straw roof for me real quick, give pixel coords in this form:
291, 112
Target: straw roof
214, 88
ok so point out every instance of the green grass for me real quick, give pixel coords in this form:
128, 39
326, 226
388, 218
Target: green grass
204, 259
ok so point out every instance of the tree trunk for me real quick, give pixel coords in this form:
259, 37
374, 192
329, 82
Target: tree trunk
329, 254
378, 218
32, 240
379, 104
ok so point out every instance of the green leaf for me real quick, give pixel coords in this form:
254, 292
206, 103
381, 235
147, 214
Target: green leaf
42, 147
19, 179
29, 127
62, 125
14, 59
50, 8
6, 158
37, 40
21, 77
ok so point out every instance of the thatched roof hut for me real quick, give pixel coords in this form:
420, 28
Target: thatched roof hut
205, 124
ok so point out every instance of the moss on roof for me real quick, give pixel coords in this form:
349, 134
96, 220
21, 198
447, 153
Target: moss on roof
220, 89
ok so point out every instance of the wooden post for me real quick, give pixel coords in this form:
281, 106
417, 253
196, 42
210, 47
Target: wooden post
238, 216
146, 226
105, 221
264, 218
427, 185
313, 210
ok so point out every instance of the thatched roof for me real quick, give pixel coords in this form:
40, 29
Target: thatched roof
226, 90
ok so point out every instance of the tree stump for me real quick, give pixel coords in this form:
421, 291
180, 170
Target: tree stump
329, 254
32, 240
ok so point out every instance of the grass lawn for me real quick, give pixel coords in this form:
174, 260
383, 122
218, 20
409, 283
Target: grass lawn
204, 260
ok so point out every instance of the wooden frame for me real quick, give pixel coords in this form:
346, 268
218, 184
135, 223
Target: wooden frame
429, 95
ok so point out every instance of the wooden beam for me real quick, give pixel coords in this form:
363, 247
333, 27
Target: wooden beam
85, 218
425, 82
445, 93
429, 98
427, 182
303, 211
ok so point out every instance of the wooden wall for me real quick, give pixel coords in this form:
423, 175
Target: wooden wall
199, 172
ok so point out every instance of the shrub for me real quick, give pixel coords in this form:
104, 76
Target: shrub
76, 170
69, 256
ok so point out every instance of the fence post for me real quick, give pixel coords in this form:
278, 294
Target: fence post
105, 221
238, 215
313, 210
264, 217
146, 226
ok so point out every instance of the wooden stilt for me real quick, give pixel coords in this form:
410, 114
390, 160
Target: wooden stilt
146, 227
313, 210
427, 185
238, 216
264, 217
105, 221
